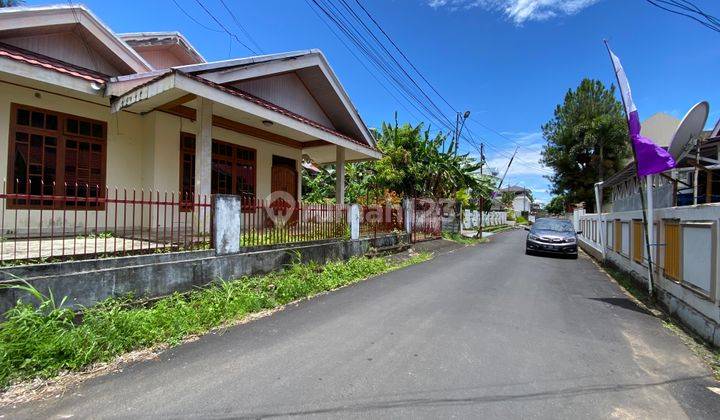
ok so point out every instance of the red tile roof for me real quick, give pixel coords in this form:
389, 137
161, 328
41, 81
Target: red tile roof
28, 57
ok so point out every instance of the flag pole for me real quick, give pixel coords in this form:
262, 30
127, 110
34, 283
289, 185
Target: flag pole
648, 185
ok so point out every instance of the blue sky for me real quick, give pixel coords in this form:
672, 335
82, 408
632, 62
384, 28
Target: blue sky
509, 62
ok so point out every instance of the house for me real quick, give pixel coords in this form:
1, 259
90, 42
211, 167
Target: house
684, 233
522, 201
84, 111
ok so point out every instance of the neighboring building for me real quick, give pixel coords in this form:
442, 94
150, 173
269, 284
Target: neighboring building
522, 201
684, 247
83, 107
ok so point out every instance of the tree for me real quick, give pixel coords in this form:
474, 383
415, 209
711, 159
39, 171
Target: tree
586, 141
11, 3
507, 198
556, 205
414, 164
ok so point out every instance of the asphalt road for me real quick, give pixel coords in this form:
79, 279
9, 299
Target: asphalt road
483, 331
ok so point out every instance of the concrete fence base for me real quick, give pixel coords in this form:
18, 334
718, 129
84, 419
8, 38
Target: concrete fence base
149, 276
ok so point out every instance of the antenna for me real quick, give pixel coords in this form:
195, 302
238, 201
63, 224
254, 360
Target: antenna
687, 135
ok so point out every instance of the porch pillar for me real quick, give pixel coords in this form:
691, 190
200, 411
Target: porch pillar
203, 147
340, 175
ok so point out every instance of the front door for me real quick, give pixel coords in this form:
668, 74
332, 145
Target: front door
284, 178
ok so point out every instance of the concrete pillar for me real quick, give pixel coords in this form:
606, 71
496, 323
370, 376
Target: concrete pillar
203, 147
599, 219
355, 222
408, 214
340, 175
227, 223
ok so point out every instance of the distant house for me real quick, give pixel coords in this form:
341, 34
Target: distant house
522, 201
82, 107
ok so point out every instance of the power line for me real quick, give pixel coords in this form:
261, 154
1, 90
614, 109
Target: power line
404, 56
690, 10
376, 58
242, 28
342, 41
223, 26
422, 76
189, 16
391, 55
354, 28
381, 61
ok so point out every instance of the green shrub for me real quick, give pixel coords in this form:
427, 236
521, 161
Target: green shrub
45, 340
511, 215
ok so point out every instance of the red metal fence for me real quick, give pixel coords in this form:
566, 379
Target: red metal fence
426, 221
39, 222
48, 222
271, 222
380, 219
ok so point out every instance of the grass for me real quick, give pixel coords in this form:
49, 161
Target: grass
520, 220
46, 340
291, 234
700, 347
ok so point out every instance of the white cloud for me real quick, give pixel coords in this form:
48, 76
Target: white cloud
519, 11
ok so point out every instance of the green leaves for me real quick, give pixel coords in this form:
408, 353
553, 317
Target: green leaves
414, 164
586, 140
45, 340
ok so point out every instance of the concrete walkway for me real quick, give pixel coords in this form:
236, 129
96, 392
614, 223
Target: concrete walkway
482, 331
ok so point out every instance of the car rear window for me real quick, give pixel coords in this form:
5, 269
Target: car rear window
556, 225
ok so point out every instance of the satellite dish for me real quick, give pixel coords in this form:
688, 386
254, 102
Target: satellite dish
689, 130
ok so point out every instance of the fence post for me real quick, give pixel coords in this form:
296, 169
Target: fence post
355, 222
227, 226
408, 214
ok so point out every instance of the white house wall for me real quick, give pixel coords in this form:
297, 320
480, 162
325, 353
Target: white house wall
143, 153
125, 136
695, 299
521, 203
165, 171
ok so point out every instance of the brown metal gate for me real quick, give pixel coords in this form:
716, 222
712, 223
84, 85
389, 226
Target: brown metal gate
426, 220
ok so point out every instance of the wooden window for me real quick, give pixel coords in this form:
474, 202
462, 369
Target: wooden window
49, 150
617, 235
638, 239
233, 167
187, 164
672, 250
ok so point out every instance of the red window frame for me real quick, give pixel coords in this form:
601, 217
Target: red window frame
236, 160
75, 146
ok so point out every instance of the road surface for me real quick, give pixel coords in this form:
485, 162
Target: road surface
484, 331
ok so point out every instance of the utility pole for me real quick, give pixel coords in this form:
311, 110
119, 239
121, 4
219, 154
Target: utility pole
459, 124
482, 197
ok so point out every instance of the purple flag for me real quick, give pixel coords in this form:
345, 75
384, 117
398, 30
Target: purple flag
651, 158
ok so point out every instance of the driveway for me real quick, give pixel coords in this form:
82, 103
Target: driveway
482, 331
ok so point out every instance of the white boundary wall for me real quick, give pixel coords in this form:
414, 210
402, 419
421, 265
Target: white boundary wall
694, 297
493, 218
